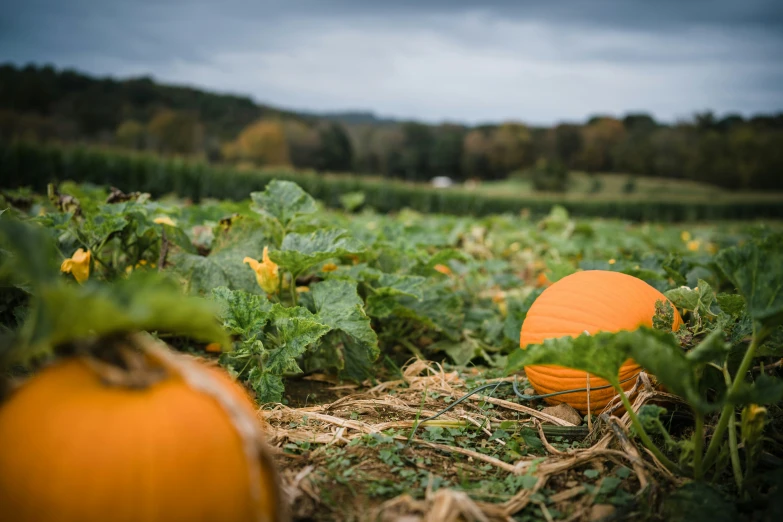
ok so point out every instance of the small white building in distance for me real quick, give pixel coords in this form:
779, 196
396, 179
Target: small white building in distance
442, 182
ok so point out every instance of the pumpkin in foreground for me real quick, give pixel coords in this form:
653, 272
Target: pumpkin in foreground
162, 438
590, 301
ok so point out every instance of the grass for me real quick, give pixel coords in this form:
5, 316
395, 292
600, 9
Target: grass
612, 187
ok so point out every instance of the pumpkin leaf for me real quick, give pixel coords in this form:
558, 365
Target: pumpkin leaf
224, 266
283, 201
270, 338
339, 306
68, 312
675, 268
732, 304
439, 308
242, 314
295, 330
268, 386
299, 252
713, 348
382, 302
604, 353
660, 354
27, 254
754, 269
764, 390
684, 297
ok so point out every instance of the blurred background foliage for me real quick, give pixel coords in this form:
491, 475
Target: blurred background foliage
46, 105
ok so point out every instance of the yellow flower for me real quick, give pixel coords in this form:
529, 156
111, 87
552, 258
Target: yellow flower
753, 419
78, 265
266, 272
443, 269
165, 220
329, 267
612, 261
712, 248
500, 299
693, 245
685, 236
301, 289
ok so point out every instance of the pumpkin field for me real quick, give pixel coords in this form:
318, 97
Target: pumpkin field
275, 359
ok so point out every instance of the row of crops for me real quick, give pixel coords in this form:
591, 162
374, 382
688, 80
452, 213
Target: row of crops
33, 165
276, 286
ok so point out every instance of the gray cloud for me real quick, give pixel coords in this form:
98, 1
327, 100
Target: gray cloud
430, 59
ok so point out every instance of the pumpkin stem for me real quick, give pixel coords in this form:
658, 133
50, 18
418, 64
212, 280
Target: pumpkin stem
124, 365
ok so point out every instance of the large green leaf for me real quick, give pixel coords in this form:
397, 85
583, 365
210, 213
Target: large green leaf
242, 314
284, 201
27, 253
602, 354
340, 307
660, 354
224, 265
713, 348
383, 300
439, 308
269, 387
302, 251
65, 312
764, 390
293, 335
755, 270
270, 338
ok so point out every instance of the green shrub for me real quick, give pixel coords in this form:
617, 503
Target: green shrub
34, 166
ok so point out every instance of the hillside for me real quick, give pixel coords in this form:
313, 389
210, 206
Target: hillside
45, 104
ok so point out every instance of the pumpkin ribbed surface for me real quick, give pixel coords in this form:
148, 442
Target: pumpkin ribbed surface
590, 301
74, 449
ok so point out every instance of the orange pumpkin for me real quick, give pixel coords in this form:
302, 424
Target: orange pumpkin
590, 301
75, 446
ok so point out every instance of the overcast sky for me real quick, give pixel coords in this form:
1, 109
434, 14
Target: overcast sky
536, 61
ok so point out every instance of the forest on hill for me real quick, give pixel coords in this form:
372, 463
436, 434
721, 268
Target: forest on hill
41, 103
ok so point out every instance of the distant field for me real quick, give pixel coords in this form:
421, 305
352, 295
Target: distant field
612, 185
34, 166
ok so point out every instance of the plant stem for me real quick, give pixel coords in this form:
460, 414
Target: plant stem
698, 445
414, 350
648, 443
728, 409
734, 453
293, 290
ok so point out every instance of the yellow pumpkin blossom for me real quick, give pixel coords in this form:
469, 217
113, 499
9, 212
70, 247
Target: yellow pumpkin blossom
301, 289
329, 267
165, 220
685, 236
443, 269
693, 245
612, 261
753, 419
266, 272
500, 299
78, 265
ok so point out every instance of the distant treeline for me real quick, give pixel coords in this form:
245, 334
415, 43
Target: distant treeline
43, 104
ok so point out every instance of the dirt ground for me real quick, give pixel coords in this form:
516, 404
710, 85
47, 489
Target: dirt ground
344, 453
